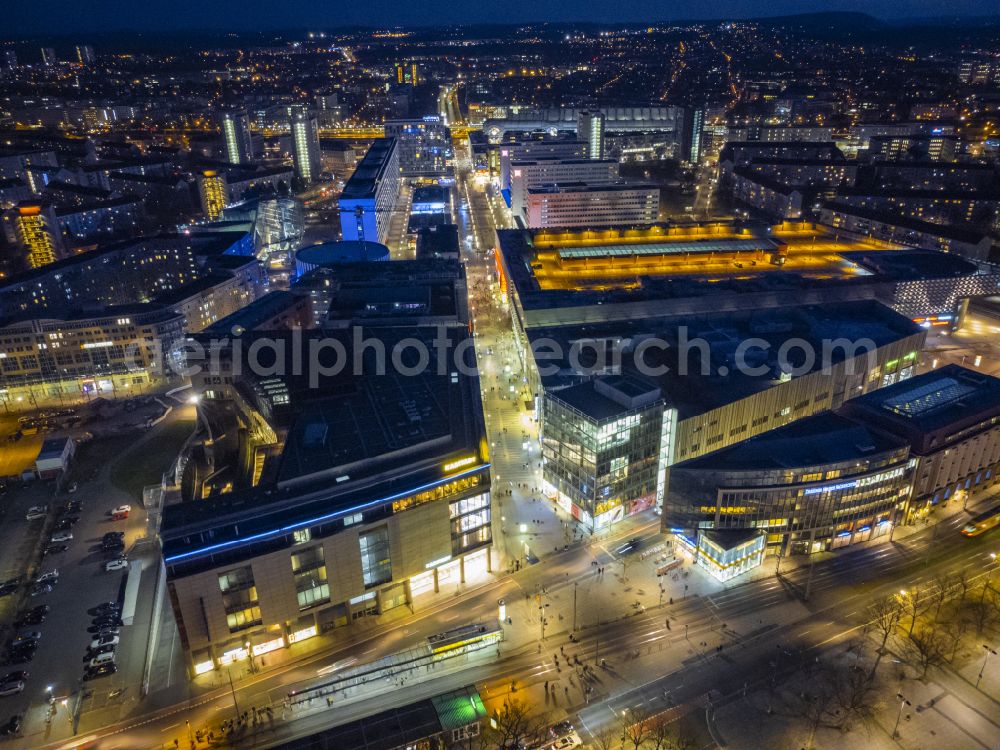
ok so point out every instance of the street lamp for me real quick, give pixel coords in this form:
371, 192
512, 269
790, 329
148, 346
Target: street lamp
902, 703
985, 659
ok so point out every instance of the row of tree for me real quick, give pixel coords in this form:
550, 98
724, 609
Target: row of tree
928, 626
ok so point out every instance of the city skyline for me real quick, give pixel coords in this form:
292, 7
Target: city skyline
515, 385
66, 17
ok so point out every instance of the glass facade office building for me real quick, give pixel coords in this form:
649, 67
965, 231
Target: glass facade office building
605, 447
818, 484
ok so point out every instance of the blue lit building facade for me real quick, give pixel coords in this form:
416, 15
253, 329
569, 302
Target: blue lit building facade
818, 484
344, 501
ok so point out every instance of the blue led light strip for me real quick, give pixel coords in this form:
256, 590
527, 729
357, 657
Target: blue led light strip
320, 519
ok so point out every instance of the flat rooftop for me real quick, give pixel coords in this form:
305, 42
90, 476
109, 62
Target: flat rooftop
382, 416
629, 259
951, 396
438, 241
370, 170
254, 314
430, 194
693, 384
568, 274
813, 441
590, 187
552, 160
350, 440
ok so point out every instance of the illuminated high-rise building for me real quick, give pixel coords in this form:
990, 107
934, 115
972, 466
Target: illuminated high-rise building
305, 146
406, 73
49, 56
236, 132
590, 128
85, 54
212, 191
38, 233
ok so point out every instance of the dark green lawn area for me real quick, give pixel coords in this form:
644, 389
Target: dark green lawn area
138, 464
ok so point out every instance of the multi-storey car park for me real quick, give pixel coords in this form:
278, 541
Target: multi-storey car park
557, 276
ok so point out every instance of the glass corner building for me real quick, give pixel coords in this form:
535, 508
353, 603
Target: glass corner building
605, 447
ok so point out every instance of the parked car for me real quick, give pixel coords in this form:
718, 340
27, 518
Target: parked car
92, 673
42, 589
11, 688
33, 616
26, 636
72, 488
104, 640
102, 659
37, 511
54, 549
121, 512
106, 608
13, 725
22, 654
10, 586
61, 536
117, 564
48, 576
95, 652
108, 621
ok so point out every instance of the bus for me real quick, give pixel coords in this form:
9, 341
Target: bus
467, 637
983, 522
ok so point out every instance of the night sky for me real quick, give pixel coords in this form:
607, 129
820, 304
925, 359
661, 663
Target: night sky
24, 17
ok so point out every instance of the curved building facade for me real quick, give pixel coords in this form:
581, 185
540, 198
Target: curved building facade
329, 254
817, 484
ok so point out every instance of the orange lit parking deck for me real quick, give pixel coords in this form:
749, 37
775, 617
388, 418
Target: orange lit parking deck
616, 258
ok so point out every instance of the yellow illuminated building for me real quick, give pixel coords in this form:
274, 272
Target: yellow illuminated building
38, 232
213, 194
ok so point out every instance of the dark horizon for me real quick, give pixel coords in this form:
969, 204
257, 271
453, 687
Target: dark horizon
64, 18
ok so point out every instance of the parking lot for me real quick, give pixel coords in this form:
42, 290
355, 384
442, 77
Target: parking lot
55, 693
57, 667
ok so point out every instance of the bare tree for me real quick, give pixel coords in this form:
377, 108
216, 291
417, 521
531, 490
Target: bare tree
664, 736
608, 738
943, 585
963, 582
926, 647
953, 635
636, 728
818, 708
883, 614
982, 608
855, 694
910, 602
511, 726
